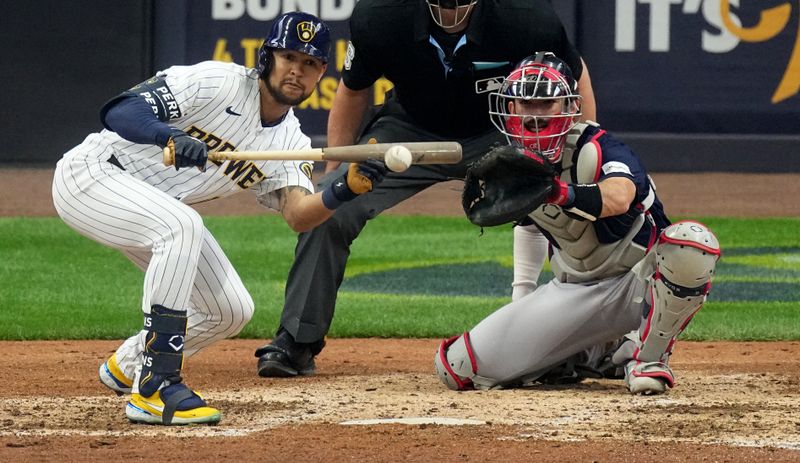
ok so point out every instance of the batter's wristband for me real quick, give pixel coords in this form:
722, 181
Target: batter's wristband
329, 200
336, 194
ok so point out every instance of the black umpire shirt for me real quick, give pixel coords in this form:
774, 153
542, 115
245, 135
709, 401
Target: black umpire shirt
447, 93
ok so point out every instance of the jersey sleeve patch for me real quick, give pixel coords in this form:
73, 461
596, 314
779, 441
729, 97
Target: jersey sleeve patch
616, 167
158, 95
307, 168
349, 55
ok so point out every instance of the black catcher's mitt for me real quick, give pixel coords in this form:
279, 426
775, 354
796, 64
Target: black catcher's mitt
505, 185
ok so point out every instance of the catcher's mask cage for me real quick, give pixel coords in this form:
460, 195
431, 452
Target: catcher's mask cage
462, 8
541, 77
296, 31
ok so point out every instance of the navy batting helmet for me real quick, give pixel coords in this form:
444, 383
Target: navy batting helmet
296, 31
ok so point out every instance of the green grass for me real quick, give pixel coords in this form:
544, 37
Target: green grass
407, 277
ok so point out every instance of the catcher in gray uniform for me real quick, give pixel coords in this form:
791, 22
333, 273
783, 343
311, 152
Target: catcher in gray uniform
618, 262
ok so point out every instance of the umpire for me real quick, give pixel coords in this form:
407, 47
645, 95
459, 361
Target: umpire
443, 57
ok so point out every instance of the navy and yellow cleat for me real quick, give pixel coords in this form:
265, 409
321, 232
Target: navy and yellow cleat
175, 404
112, 377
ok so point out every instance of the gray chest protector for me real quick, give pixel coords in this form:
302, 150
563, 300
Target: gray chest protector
580, 257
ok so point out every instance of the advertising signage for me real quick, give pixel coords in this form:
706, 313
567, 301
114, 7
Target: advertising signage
674, 66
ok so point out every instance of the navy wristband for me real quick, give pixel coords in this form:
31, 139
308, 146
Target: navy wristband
329, 199
587, 200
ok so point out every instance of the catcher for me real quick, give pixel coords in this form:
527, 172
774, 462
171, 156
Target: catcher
618, 262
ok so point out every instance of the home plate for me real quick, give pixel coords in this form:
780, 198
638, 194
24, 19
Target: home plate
416, 420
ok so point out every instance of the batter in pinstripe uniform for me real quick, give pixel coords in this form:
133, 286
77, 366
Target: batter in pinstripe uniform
115, 189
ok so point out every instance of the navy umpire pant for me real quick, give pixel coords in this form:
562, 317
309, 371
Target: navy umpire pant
321, 254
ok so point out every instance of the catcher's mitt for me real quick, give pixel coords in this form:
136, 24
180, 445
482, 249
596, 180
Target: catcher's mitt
505, 185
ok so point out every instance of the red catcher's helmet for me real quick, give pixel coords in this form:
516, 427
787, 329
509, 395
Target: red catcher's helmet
539, 77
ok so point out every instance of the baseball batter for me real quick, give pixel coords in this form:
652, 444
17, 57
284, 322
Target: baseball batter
618, 262
115, 189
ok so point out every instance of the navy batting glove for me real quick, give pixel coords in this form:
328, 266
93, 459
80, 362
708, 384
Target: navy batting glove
189, 151
359, 179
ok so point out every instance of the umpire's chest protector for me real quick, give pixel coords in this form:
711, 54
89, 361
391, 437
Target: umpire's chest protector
578, 253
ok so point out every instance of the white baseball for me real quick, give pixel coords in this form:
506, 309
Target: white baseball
398, 158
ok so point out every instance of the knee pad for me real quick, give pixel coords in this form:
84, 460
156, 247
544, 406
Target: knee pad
686, 256
163, 352
455, 363
457, 367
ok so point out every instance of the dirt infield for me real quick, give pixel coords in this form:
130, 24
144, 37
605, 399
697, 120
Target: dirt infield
733, 401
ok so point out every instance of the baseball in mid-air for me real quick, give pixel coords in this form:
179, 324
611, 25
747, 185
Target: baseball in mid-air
398, 158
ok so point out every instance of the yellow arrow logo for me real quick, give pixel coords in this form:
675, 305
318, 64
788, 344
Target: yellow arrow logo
770, 23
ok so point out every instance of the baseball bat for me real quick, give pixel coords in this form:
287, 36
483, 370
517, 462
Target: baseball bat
437, 152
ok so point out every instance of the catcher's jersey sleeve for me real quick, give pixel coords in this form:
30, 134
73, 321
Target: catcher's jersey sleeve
617, 160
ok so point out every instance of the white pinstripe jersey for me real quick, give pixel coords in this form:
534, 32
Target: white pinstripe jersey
218, 103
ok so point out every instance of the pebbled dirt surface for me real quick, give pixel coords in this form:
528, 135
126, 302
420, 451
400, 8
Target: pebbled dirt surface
733, 401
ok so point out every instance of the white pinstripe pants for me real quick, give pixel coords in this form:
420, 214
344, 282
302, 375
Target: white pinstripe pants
185, 268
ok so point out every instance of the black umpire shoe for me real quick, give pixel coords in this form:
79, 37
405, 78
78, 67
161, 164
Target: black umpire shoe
284, 358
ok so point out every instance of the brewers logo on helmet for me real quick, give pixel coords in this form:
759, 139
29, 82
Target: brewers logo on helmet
305, 31
296, 31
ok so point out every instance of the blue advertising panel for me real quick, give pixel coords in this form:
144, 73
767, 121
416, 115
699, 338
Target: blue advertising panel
233, 30
658, 66
694, 66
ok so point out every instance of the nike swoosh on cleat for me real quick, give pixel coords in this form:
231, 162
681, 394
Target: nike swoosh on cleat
230, 111
114, 378
158, 408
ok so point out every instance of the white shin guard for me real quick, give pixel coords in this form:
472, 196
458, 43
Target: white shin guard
686, 256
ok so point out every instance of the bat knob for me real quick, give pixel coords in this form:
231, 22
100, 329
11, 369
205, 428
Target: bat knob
169, 156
